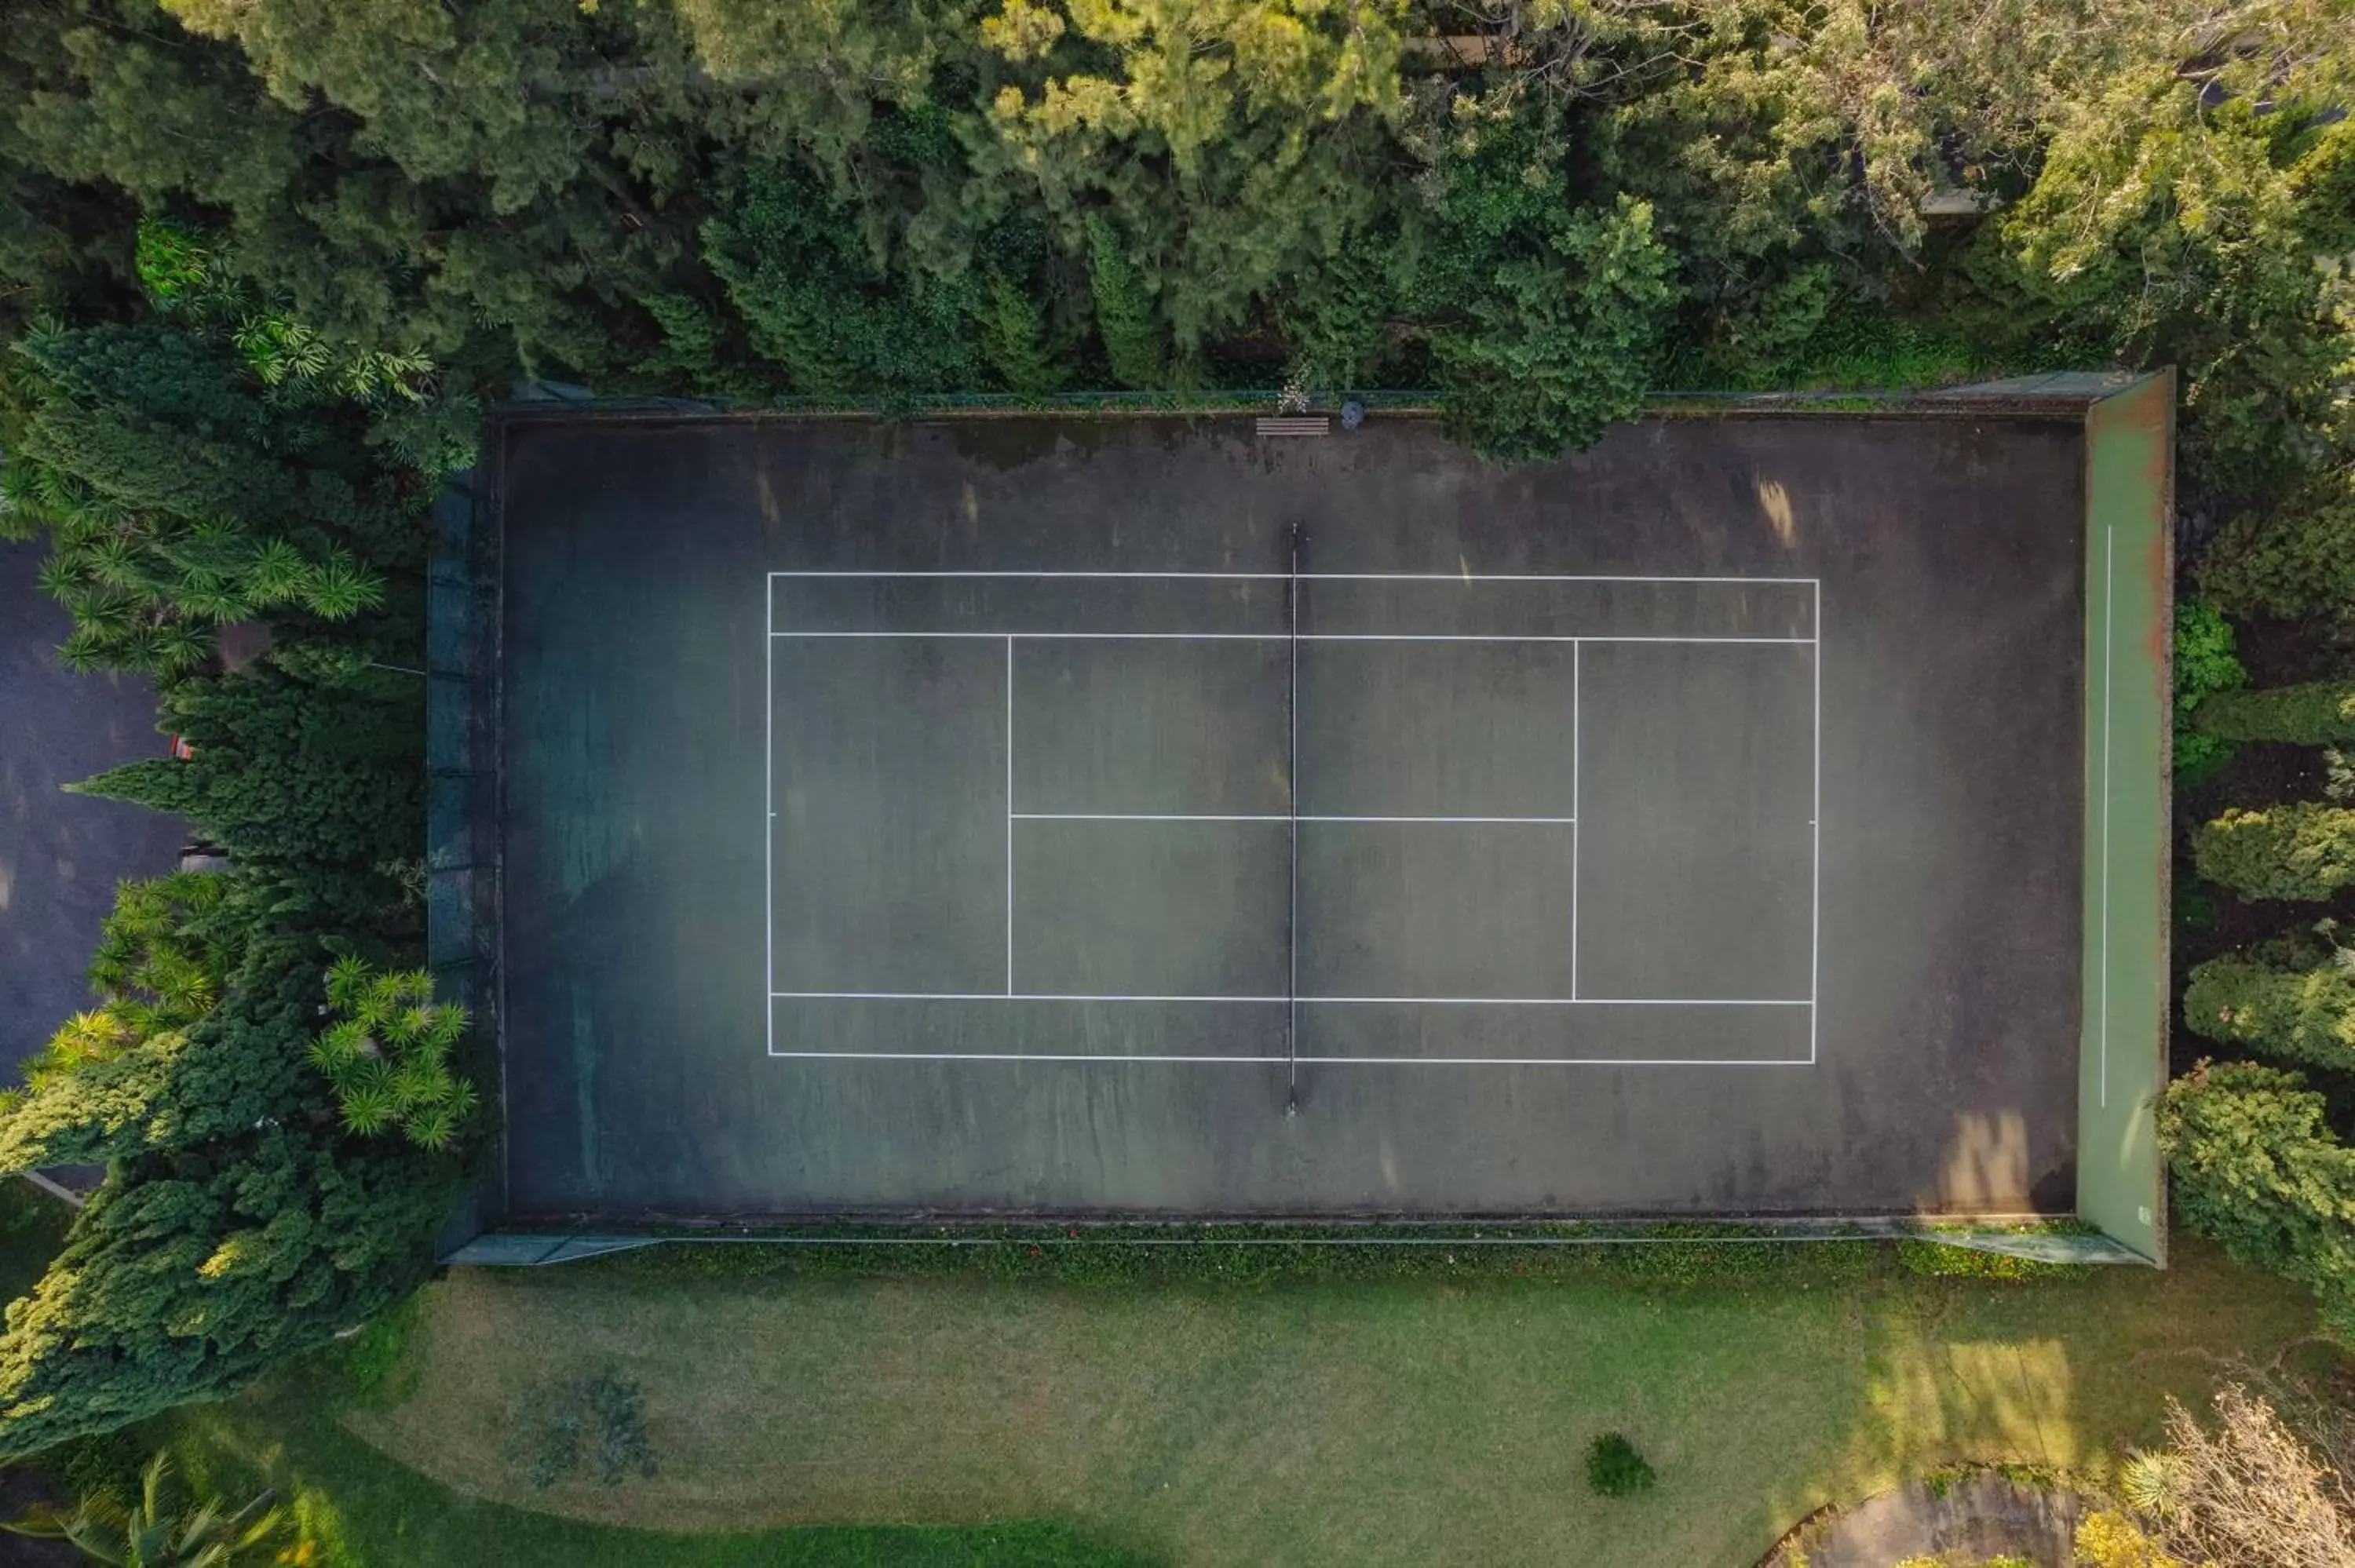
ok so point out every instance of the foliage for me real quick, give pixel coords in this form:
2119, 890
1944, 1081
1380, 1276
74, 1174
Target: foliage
1232, 147
183, 273
1187, 70
2298, 1007
823, 308
1669, 1255
511, 186
2257, 1168
1560, 345
1017, 338
2108, 1539
2294, 560
1941, 1260
2205, 665
2304, 851
1124, 310
193, 1269
177, 498
234, 1225
1548, 319
33, 1226
161, 1530
603, 1404
372, 1366
1798, 334
387, 1055
162, 959
304, 768
1939, 93
2254, 1492
2162, 229
1614, 1468
111, 1464
2313, 713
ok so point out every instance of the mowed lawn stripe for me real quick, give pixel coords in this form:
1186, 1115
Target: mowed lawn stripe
1406, 1423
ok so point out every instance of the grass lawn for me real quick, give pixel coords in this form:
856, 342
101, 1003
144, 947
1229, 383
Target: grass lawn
1413, 1421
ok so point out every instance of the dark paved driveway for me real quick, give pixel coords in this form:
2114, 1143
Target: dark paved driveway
60, 855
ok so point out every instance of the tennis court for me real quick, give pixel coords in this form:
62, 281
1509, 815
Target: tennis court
1460, 819
1146, 817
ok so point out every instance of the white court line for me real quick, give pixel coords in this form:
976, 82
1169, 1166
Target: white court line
1280, 637
1082, 636
1144, 817
1577, 721
1581, 637
1317, 1061
1816, 828
1205, 817
1577, 713
768, 812
1334, 576
1010, 816
1279, 1001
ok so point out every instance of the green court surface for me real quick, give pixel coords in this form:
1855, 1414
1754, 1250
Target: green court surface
1142, 818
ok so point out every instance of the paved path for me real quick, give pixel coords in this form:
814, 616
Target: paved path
60, 855
1971, 1519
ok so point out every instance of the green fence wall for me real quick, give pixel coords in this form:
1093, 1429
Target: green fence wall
2129, 636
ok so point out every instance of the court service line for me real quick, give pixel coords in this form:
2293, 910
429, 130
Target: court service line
1330, 577
1280, 1001
1280, 637
1259, 817
1318, 1061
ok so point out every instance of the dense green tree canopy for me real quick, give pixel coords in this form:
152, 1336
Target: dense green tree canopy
2304, 850
2258, 1168
2301, 1012
608, 191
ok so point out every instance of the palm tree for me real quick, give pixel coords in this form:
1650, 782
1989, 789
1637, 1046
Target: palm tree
158, 1532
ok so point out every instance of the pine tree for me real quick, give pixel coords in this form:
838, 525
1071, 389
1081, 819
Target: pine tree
841, 324
313, 789
2258, 1168
2294, 560
162, 961
194, 1269
2305, 1015
2315, 713
1126, 322
2304, 851
178, 497
1013, 339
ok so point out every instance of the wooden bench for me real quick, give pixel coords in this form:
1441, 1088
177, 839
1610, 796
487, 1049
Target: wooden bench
1295, 425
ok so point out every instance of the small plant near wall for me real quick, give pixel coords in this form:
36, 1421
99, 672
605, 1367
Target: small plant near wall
2205, 666
1614, 1468
387, 1055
